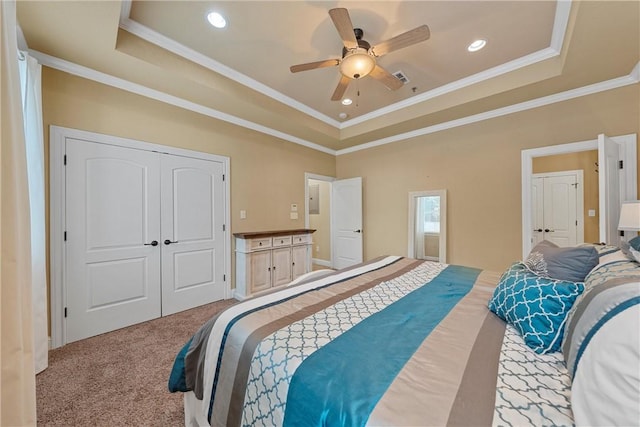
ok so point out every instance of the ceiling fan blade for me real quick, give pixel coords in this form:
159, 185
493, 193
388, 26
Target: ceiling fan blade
342, 21
414, 36
342, 87
314, 65
386, 78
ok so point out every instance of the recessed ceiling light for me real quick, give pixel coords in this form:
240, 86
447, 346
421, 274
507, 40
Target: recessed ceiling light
216, 20
346, 101
343, 115
476, 45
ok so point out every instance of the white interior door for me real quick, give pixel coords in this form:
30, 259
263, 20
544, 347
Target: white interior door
346, 220
560, 210
113, 271
192, 233
609, 178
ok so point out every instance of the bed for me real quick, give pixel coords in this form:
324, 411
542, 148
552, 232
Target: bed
400, 341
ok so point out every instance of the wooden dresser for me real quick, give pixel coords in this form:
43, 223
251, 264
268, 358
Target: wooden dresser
270, 259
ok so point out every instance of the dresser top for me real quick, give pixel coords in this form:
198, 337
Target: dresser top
259, 234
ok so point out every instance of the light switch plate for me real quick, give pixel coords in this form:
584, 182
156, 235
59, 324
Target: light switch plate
293, 215
243, 214
294, 207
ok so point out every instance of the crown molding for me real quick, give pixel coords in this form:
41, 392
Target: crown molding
631, 78
59, 64
560, 23
561, 19
524, 61
181, 50
97, 76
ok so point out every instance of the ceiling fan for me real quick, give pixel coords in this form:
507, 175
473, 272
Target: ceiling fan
359, 57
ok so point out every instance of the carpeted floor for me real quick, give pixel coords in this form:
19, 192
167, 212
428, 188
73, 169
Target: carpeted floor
119, 378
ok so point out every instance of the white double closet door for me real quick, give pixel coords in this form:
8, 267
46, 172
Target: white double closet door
144, 235
557, 202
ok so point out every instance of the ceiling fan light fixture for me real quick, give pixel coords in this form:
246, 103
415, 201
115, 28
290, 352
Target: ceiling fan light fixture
357, 63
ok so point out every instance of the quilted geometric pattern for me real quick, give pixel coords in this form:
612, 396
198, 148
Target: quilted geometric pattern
532, 389
278, 356
536, 306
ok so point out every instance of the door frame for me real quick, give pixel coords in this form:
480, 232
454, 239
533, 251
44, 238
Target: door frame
308, 176
628, 142
579, 174
57, 213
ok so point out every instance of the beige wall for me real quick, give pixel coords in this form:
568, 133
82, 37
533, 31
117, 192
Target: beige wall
478, 164
586, 162
322, 223
480, 167
267, 174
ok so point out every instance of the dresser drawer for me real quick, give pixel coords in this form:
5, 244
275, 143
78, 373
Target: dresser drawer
281, 241
301, 239
260, 243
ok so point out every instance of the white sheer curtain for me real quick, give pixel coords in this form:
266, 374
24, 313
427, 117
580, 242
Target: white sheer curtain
17, 372
30, 83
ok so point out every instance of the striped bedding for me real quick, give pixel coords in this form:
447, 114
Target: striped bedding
395, 341
601, 345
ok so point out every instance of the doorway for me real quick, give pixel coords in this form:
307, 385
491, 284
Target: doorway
626, 188
337, 220
318, 217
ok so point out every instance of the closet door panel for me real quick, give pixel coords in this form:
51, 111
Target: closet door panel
192, 211
112, 217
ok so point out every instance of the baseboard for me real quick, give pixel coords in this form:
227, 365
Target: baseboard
321, 262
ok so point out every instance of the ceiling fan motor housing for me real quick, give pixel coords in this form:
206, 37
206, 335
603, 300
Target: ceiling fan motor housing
361, 43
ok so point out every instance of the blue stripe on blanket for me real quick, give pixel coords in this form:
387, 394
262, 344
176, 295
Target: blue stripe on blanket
340, 383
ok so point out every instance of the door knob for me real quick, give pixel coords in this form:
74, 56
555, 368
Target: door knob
168, 242
153, 243
539, 230
546, 230
357, 231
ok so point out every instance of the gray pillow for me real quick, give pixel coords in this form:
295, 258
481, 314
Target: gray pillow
635, 243
547, 259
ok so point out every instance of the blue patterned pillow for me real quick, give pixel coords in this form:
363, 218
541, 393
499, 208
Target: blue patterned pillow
536, 306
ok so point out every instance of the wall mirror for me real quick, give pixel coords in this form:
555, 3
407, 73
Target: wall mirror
428, 225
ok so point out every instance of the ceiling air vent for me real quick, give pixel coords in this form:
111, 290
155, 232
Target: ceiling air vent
401, 76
